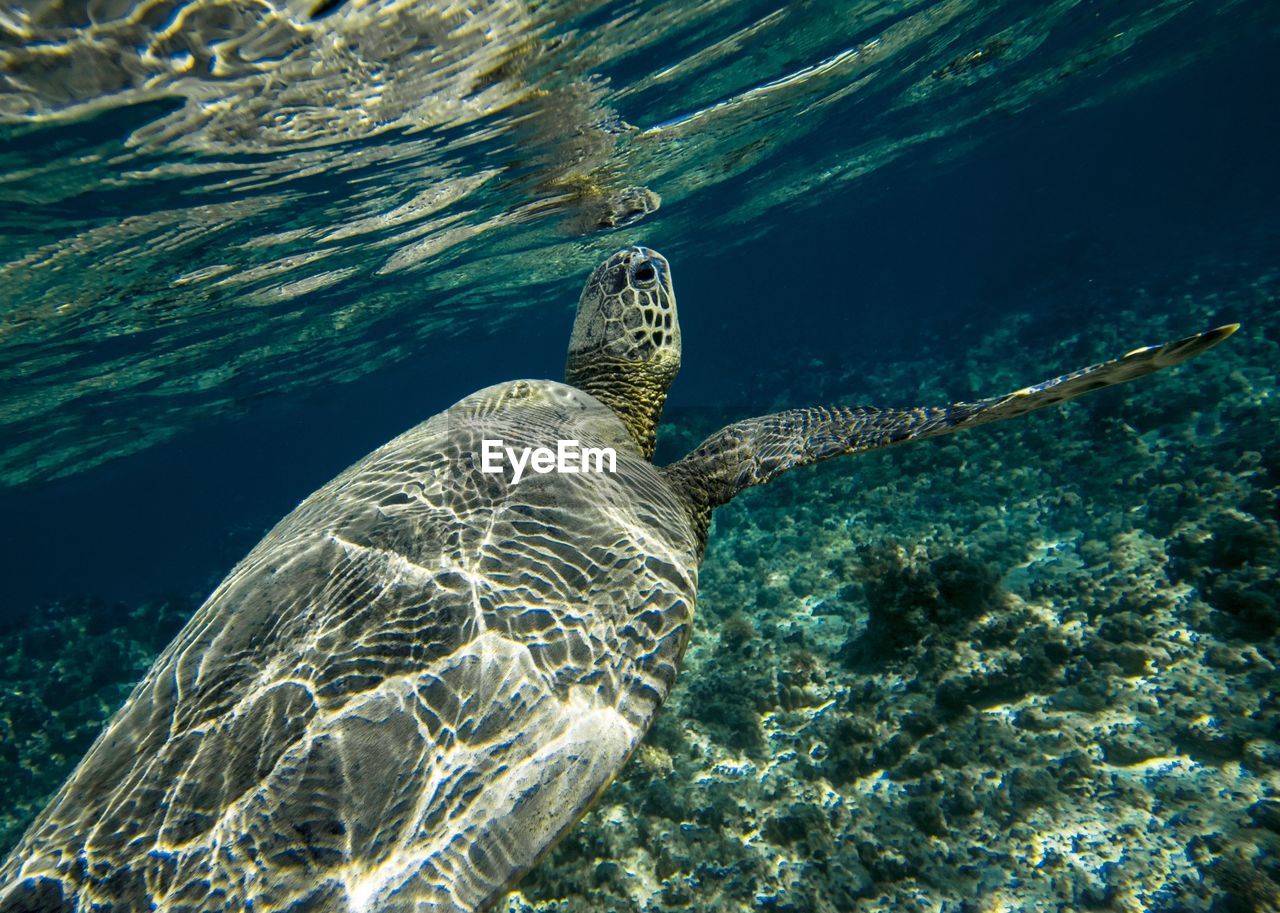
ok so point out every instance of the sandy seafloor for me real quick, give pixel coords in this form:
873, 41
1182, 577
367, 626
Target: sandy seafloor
1029, 667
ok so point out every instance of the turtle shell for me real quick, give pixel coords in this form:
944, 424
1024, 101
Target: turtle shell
403, 696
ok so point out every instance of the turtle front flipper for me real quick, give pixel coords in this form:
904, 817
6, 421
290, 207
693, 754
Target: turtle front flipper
752, 452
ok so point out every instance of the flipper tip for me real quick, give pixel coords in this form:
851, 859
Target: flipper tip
1173, 352
1211, 338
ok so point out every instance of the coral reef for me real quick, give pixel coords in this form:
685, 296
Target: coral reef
69, 666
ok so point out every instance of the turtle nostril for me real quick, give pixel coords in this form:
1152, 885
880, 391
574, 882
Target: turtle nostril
645, 273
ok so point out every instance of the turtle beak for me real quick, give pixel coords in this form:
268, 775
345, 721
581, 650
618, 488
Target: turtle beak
645, 268
641, 256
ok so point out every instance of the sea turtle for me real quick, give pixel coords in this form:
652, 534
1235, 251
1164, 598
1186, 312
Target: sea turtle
427, 672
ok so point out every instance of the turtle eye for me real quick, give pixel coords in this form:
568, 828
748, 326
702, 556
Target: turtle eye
644, 273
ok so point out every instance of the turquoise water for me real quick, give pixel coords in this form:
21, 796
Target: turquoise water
1029, 667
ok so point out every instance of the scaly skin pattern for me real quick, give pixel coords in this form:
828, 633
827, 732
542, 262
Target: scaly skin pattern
625, 346
753, 451
636, 393
415, 684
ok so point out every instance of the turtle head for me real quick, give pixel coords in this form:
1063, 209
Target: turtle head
625, 347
